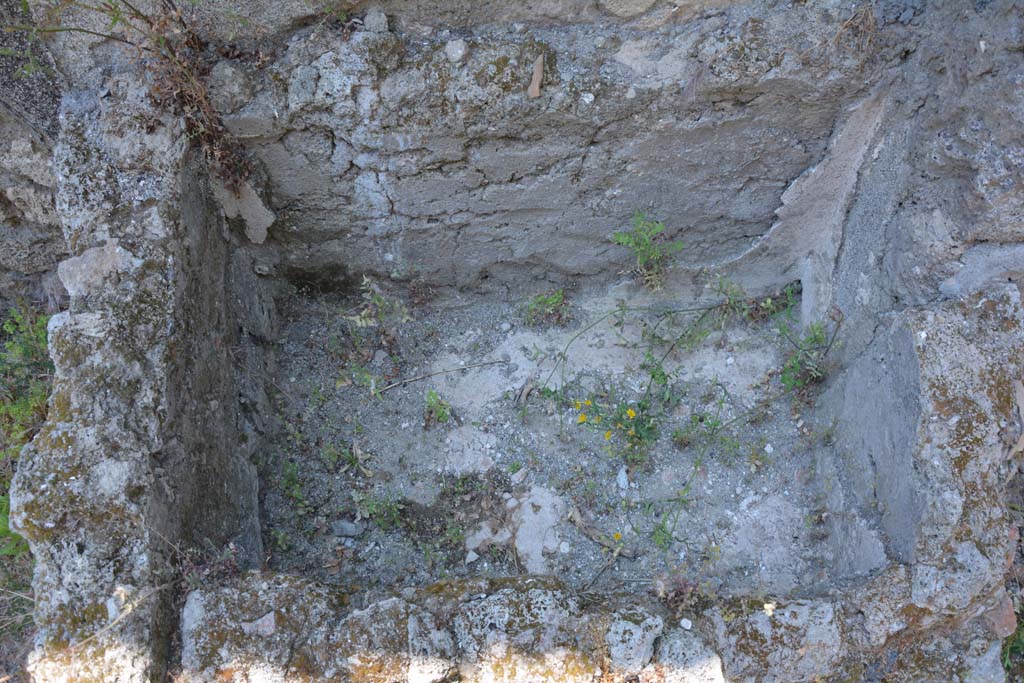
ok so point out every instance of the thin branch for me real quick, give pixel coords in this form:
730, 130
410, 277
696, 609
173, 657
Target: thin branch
23, 596
124, 614
439, 372
75, 29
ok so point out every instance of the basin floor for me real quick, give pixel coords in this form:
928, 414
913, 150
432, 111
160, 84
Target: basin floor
610, 442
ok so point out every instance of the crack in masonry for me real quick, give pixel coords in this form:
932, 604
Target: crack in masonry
592, 141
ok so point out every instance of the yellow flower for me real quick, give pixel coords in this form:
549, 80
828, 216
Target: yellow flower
632, 432
578, 405
587, 402
581, 419
597, 419
608, 435
617, 536
631, 413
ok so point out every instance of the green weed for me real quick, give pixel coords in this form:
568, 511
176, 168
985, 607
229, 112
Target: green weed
708, 431
652, 253
549, 308
377, 310
805, 364
291, 484
437, 410
281, 540
384, 512
629, 429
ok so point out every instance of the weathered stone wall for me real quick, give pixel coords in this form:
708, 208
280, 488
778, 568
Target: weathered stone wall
32, 243
420, 156
876, 162
145, 453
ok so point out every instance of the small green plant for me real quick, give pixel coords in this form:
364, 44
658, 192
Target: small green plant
281, 540
646, 240
708, 431
334, 10
735, 303
628, 428
549, 308
805, 364
377, 310
662, 536
358, 375
384, 512
291, 484
515, 467
454, 535
437, 410
331, 455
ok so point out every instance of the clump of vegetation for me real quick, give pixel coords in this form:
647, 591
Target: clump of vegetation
549, 308
384, 512
291, 484
682, 595
177, 59
437, 410
369, 327
26, 374
377, 310
805, 365
629, 429
652, 252
708, 430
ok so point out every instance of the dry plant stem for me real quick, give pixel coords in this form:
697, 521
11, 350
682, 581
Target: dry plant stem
123, 615
595, 535
560, 359
23, 596
675, 342
417, 378
72, 29
602, 570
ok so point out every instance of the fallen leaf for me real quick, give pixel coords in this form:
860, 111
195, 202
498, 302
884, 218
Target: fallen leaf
533, 91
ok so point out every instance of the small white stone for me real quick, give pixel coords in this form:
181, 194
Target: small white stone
587, 98
622, 479
730, 360
564, 547
471, 557
376, 21
631, 93
506, 327
768, 449
685, 624
456, 50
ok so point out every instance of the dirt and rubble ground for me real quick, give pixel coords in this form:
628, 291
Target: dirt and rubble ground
532, 471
